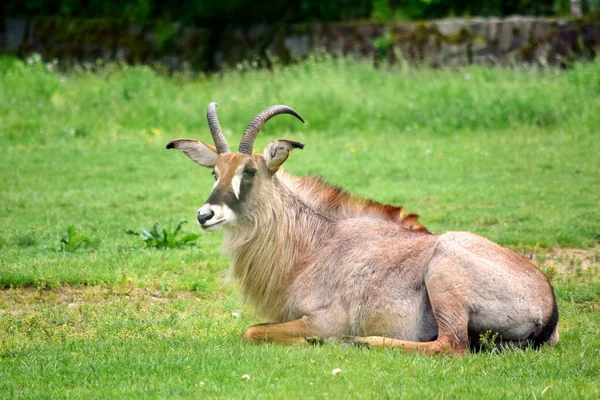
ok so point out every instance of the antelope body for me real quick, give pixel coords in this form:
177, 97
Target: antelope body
319, 263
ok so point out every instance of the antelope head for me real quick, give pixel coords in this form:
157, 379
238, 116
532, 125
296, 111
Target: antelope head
243, 180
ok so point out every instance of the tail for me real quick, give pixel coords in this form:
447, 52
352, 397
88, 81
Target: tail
549, 333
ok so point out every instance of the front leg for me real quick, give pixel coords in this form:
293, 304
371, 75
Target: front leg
291, 332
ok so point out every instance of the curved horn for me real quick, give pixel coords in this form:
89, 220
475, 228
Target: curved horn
247, 142
215, 129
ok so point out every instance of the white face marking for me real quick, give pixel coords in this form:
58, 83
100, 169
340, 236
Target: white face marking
236, 181
222, 215
235, 185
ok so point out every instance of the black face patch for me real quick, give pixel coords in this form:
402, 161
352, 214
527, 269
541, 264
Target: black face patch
247, 182
218, 197
223, 193
250, 169
249, 172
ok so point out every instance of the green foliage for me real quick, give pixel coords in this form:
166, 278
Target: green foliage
162, 238
244, 12
73, 240
488, 341
382, 44
382, 10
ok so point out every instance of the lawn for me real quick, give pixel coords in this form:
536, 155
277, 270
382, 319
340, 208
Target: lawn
87, 310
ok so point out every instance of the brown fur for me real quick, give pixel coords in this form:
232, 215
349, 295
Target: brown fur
318, 262
333, 200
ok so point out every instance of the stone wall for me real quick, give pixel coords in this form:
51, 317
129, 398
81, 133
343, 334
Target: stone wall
447, 42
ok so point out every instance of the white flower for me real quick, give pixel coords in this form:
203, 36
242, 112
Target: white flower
336, 371
246, 377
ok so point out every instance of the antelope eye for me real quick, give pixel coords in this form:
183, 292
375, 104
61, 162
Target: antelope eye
249, 172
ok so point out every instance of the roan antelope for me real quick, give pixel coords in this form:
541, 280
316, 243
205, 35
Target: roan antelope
319, 263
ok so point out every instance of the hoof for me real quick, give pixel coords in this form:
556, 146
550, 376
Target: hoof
315, 341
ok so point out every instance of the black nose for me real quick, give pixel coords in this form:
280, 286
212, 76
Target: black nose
205, 216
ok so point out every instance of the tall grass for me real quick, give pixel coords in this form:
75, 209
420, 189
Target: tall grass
89, 311
337, 96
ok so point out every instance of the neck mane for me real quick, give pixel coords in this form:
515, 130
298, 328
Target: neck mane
336, 203
272, 248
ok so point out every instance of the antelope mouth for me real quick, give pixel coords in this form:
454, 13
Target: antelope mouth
214, 225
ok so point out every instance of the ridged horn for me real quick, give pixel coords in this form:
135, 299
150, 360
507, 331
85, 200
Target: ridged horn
215, 129
247, 142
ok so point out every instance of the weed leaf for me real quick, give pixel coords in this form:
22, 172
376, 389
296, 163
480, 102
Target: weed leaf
160, 237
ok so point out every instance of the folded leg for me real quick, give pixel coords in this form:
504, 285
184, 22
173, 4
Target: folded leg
291, 332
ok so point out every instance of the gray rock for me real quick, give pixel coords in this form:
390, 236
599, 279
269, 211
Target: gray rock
450, 27
298, 46
14, 33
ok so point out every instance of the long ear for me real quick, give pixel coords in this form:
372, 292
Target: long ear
278, 151
200, 152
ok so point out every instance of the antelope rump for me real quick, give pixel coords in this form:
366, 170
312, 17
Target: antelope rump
318, 263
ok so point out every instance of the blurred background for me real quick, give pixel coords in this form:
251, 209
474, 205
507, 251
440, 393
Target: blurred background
211, 35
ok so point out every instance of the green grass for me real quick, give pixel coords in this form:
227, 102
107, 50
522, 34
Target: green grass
511, 154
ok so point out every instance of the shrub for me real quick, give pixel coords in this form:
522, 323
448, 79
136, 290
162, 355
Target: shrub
160, 238
73, 240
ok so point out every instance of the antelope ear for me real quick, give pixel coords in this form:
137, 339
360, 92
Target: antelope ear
278, 151
200, 152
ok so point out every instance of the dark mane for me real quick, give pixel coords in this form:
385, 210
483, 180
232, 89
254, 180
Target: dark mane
330, 199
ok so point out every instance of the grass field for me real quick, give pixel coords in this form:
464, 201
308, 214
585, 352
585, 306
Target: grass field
511, 154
